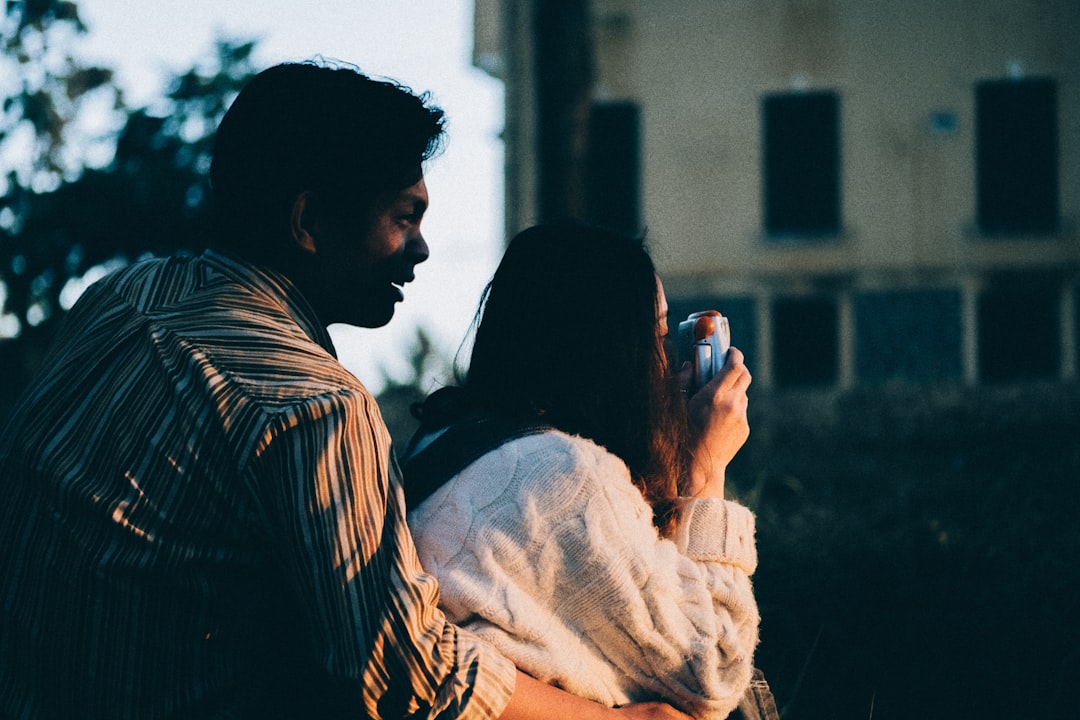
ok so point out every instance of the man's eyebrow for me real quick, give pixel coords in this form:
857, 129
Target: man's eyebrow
417, 202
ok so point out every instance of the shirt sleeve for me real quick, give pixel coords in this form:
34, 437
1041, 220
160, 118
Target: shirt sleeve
548, 534
332, 499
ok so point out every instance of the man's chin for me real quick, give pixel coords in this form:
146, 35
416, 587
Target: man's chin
375, 319
370, 310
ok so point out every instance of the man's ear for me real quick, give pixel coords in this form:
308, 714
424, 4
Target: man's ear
303, 221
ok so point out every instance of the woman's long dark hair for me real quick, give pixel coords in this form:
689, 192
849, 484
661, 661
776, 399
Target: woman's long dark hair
568, 334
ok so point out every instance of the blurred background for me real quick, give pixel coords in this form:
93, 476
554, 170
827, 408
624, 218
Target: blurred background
883, 197
107, 126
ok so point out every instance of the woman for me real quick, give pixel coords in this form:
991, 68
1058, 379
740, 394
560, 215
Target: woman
594, 548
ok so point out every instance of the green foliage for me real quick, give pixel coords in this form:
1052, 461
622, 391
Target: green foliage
152, 198
61, 218
917, 551
47, 86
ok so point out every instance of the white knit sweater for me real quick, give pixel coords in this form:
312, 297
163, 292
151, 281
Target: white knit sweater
545, 549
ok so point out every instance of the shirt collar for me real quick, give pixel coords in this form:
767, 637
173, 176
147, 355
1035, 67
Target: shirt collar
278, 290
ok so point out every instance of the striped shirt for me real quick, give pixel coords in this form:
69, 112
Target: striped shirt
201, 517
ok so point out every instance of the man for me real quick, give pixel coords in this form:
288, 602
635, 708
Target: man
202, 515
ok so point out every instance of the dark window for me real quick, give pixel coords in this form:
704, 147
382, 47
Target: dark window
805, 341
911, 335
1016, 156
612, 167
1019, 332
1076, 325
802, 164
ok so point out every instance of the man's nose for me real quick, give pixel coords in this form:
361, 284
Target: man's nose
418, 248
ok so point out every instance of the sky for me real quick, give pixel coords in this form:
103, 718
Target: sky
425, 44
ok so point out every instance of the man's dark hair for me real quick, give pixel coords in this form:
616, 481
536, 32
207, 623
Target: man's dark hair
310, 126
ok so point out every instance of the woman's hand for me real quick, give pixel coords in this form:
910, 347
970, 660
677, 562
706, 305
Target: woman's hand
718, 425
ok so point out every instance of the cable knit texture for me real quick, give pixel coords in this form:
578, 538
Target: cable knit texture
544, 548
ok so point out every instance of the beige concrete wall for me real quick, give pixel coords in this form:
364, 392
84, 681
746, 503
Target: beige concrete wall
699, 69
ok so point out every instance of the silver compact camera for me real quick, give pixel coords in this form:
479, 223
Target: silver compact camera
704, 340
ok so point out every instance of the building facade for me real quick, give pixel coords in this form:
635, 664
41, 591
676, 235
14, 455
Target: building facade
874, 192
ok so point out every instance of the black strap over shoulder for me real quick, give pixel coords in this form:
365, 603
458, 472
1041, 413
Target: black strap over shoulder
455, 449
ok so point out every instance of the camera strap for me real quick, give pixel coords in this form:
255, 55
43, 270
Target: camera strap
425, 468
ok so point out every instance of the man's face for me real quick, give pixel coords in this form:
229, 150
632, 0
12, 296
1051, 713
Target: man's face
365, 261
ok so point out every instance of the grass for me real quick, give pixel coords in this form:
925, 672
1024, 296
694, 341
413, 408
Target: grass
918, 551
